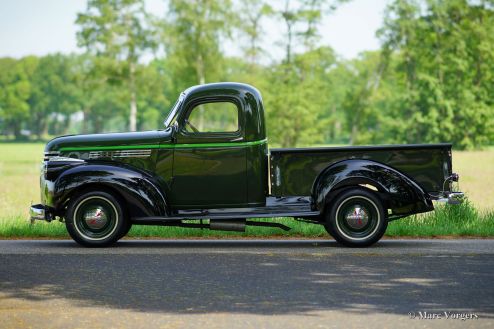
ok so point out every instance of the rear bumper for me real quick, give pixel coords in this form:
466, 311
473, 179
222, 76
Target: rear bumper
456, 197
452, 198
40, 212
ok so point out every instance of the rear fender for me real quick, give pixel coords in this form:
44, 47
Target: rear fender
399, 192
142, 193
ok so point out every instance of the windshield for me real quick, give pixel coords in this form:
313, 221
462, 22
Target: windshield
173, 112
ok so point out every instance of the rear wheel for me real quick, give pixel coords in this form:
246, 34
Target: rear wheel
95, 219
356, 218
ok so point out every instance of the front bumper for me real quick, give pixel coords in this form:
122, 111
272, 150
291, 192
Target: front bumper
43, 211
40, 212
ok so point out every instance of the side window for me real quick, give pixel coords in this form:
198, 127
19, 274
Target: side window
218, 117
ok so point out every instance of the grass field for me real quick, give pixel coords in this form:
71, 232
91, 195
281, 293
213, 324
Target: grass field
19, 175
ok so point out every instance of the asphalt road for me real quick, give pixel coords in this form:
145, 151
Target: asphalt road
247, 284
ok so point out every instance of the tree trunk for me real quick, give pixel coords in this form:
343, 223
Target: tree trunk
39, 124
289, 33
354, 132
66, 125
333, 132
202, 80
254, 40
85, 117
16, 129
133, 98
98, 125
44, 131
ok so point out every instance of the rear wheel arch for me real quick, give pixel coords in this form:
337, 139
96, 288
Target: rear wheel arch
396, 190
355, 183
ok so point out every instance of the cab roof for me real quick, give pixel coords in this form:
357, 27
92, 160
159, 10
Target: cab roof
222, 88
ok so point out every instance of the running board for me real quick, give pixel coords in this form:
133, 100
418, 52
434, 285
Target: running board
240, 215
237, 225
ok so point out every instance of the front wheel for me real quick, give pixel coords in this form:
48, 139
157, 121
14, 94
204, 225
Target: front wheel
126, 229
356, 218
95, 219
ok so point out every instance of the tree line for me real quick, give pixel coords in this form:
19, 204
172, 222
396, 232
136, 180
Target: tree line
431, 81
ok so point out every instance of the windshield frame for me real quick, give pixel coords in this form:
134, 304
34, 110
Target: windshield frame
174, 111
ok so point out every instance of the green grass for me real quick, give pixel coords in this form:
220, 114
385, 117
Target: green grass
19, 183
446, 220
20, 227
457, 220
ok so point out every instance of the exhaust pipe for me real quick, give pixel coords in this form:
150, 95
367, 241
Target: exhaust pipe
237, 225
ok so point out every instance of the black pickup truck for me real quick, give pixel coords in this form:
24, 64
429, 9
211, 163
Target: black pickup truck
210, 167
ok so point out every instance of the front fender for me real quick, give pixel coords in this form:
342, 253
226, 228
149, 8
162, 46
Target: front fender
400, 193
141, 192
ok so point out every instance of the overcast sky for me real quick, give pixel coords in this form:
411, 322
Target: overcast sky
39, 27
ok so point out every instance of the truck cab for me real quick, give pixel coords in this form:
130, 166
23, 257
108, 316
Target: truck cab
220, 153
211, 163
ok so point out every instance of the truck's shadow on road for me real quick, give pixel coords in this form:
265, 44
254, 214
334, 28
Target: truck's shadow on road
274, 244
215, 244
258, 283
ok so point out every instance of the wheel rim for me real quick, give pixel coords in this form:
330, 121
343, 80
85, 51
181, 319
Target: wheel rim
95, 218
357, 218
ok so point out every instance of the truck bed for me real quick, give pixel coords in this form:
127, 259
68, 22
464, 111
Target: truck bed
293, 170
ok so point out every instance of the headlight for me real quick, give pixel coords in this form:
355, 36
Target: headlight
44, 168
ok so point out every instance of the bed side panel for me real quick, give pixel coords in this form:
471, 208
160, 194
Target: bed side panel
294, 170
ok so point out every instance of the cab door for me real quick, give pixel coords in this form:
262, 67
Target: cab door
209, 163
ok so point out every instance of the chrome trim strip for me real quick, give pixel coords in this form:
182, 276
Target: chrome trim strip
120, 154
66, 159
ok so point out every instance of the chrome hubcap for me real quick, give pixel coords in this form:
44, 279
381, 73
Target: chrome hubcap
357, 217
95, 218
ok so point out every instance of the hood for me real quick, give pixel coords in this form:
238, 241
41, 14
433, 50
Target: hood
108, 141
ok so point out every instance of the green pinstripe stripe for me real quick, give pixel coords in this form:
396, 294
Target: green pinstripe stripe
165, 146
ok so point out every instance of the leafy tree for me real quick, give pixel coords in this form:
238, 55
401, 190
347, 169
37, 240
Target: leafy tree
432, 81
103, 101
302, 19
444, 51
192, 33
361, 112
15, 90
295, 99
252, 13
53, 92
118, 29
297, 83
153, 102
